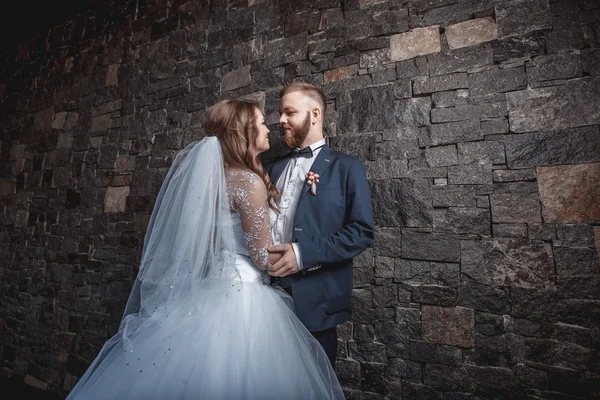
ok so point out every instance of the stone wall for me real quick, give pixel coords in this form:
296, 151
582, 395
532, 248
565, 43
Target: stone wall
478, 122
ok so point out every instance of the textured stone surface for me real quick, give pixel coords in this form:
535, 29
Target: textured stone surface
542, 231
112, 75
471, 32
468, 220
445, 274
398, 148
449, 325
497, 80
449, 99
366, 3
237, 78
286, 50
392, 21
101, 123
451, 13
519, 47
423, 85
460, 60
432, 353
575, 104
554, 66
570, 193
258, 98
375, 58
59, 120
247, 52
522, 16
362, 147
591, 61
466, 112
560, 39
388, 242
576, 261
484, 298
504, 175
413, 112
411, 271
482, 281
71, 120
411, 68
515, 207
495, 125
369, 110
453, 196
433, 294
547, 351
340, 73
508, 262
116, 198
430, 246
454, 132
402, 202
487, 152
514, 230
597, 241
478, 173
441, 156
418, 42
43, 119
424, 5
579, 145
387, 169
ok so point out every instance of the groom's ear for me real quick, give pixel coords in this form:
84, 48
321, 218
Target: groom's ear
316, 114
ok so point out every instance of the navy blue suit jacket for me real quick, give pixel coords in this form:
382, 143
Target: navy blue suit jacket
330, 228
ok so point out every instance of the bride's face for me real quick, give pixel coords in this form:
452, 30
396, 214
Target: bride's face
262, 140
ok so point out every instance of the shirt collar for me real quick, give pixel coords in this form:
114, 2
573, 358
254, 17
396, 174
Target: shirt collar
320, 143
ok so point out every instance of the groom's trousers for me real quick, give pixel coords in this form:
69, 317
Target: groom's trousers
327, 338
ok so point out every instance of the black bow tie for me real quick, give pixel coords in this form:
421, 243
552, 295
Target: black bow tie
305, 152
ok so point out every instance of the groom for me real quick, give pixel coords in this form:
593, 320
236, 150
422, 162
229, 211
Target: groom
317, 232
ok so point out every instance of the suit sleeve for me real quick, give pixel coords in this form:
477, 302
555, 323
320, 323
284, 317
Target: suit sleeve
356, 234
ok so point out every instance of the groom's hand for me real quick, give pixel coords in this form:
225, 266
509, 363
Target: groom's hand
273, 258
287, 264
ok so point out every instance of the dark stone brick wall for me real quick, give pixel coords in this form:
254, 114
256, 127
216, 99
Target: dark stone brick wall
478, 122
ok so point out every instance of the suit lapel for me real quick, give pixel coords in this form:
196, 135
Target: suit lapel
322, 162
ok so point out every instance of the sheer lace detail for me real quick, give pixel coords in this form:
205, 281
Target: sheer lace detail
248, 196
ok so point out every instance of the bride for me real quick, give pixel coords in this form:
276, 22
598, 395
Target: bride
201, 321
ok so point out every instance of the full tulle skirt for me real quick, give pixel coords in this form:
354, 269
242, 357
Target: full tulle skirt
234, 340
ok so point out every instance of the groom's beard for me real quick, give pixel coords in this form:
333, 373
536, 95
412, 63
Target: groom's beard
296, 136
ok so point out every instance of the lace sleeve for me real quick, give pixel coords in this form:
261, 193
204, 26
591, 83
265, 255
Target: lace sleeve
248, 196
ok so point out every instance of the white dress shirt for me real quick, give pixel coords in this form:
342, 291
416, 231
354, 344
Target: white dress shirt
290, 184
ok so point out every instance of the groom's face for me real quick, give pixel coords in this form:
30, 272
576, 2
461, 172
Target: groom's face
295, 119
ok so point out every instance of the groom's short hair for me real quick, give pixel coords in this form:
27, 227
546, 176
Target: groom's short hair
308, 90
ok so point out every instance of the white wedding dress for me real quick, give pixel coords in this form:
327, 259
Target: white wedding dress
228, 335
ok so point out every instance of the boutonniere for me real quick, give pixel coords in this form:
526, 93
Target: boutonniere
311, 180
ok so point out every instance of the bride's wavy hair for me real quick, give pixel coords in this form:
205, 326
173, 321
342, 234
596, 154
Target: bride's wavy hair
234, 123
